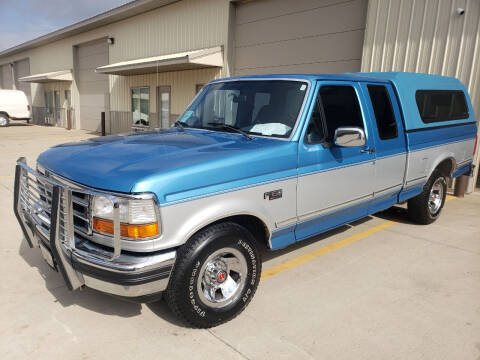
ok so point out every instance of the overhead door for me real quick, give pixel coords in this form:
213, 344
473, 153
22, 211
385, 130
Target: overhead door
7, 79
22, 68
302, 36
92, 87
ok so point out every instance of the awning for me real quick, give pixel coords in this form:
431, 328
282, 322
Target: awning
196, 59
64, 75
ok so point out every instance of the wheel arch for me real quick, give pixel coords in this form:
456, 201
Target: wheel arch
252, 222
445, 164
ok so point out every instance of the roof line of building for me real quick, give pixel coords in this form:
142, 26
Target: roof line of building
116, 14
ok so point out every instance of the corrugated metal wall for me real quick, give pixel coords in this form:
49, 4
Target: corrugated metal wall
425, 36
181, 26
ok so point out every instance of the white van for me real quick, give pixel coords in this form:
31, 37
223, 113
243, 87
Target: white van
14, 106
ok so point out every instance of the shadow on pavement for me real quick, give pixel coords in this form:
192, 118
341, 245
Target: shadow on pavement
87, 298
397, 214
12, 124
161, 309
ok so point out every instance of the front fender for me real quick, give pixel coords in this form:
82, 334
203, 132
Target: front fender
182, 220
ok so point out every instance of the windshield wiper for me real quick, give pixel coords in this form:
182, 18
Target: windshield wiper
230, 127
180, 125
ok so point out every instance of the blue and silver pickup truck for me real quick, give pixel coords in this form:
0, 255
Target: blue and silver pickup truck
253, 162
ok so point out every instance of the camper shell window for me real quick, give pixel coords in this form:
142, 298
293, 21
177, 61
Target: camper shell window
441, 105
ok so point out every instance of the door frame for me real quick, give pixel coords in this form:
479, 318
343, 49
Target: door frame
312, 221
160, 90
391, 154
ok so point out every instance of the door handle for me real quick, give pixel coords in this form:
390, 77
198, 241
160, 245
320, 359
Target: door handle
368, 150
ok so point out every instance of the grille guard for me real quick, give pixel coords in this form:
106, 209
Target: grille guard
129, 275
61, 197
58, 190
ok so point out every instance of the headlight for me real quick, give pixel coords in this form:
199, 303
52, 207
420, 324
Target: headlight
138, 218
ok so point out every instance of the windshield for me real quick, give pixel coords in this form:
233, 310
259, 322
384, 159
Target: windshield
267, 108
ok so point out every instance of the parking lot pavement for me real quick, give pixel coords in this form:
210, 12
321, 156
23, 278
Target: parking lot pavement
369, 290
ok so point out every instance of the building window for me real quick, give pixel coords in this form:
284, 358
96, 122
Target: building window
141, 106
341, 108
382, 108
163, 106
49, 103
441, 105
68, 98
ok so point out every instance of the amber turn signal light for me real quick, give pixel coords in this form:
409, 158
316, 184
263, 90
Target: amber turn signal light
126, 230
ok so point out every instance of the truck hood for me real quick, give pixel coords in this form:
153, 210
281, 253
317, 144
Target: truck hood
173, 164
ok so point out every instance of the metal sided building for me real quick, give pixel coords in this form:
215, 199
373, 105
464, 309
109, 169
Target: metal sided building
129, 62
142, 63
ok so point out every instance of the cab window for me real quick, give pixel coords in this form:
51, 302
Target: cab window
341, 108
316, 127
382, 108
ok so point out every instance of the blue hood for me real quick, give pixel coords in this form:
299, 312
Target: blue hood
173, 164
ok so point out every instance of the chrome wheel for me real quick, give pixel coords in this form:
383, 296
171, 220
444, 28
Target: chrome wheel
222, 278
435, 199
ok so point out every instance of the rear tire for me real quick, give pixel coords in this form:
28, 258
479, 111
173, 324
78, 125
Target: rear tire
215, 276
426, 207
4, 120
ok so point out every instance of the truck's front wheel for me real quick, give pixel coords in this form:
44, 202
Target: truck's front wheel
426, 207
215, 276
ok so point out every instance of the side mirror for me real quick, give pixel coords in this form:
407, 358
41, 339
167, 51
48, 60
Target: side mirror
349, 137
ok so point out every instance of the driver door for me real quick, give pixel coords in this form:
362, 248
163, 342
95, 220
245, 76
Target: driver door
335, 184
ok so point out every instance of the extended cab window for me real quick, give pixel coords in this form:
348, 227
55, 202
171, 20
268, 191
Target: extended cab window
382, 107
441, 105
341, 108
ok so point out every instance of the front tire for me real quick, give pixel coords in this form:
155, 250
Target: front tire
215, 276
426, 207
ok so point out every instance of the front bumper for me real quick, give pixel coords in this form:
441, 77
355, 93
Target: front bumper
83, 263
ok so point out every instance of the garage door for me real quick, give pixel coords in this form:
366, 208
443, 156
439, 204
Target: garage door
7, 79
93, 87
301, 36
22, 68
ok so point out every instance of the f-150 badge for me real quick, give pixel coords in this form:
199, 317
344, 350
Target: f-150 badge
272, 195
